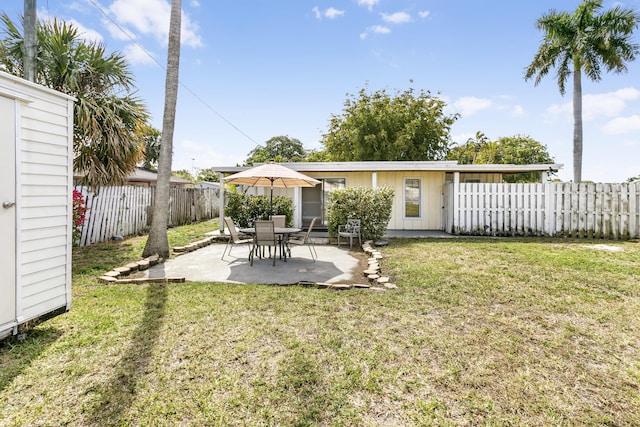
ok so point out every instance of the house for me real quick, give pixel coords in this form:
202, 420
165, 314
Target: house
419, 186
147, 178
207, 184
36, 186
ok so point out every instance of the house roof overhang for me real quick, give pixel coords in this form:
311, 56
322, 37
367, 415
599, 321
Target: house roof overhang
380, 166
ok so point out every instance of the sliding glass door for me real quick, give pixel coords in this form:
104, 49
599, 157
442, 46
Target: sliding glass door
315, 199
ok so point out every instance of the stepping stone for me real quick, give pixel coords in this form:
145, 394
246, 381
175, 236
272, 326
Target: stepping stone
133, 266
370, 272
107, 279
372, 277
323, 285
112, 273
382, 280
390, 286
340, 286
361, 286
143, 265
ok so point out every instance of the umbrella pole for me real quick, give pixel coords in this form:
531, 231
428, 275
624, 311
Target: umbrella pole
271, 200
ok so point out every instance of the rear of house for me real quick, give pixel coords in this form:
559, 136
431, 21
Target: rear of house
35, 189
419, 187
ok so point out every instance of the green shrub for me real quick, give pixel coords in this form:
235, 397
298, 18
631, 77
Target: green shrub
243, 209
371, 206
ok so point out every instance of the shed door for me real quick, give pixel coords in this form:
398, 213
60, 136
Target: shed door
7, 211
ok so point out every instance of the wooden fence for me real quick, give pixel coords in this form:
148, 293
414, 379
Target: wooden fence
126, 210
553, 209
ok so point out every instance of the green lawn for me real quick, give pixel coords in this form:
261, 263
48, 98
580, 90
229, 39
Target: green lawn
480, 332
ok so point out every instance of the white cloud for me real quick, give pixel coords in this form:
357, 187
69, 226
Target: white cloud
151, 18
194, 3
424, 14
621, 125
136, 55
333, 13
469, 105
376, 29
84, 32
330, 13
517, 111
368, 3
599, 105
396, 18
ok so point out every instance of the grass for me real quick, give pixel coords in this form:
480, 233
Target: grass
480, 332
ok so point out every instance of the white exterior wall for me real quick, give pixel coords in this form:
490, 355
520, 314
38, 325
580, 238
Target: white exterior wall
432, 187
44, 173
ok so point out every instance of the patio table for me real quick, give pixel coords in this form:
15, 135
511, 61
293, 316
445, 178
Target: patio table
283, 234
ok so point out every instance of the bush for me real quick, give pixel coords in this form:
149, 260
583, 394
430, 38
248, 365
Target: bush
79, 216
371, 206
243, 209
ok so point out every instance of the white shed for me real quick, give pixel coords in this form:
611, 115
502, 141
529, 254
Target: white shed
36, 185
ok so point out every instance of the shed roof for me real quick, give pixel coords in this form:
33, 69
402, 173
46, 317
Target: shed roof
379, 166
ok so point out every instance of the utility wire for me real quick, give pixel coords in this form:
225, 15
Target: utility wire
188, 89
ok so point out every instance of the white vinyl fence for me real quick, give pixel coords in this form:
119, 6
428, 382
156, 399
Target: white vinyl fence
552, 209
126, 210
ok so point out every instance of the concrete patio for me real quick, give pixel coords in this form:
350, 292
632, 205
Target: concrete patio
334, 264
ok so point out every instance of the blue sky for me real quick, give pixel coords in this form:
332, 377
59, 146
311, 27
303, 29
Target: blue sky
251, 70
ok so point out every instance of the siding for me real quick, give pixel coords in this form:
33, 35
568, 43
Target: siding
431, 195
45, 129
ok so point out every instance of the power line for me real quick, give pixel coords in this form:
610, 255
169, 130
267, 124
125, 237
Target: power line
126, 33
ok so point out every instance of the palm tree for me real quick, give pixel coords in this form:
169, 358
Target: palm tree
157, 242
108, 122
583, 41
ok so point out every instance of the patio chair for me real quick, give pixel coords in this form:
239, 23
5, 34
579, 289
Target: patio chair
350, 230
304, 239
279, 221
264, 236
235, 238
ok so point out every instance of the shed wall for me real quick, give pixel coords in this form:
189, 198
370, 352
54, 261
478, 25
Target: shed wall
44, 140
45, 198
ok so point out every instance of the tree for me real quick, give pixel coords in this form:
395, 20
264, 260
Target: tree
151, 137
158, 242
467, 153
208, 175
107, 118
510, 150
583, 41
184, 174
380, 126
277, 149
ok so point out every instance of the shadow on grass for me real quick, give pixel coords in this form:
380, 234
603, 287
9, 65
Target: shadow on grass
116, 396
16, 356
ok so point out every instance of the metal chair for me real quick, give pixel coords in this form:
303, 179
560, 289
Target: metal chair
264, 236
350, 230
304, 239
235, 238
279, 221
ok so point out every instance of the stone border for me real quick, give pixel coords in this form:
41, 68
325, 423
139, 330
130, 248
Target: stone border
376, 281
114, 275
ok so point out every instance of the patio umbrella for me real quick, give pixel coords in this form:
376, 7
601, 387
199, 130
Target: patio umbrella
271, 175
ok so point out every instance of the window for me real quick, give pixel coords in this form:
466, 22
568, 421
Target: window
412, 196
